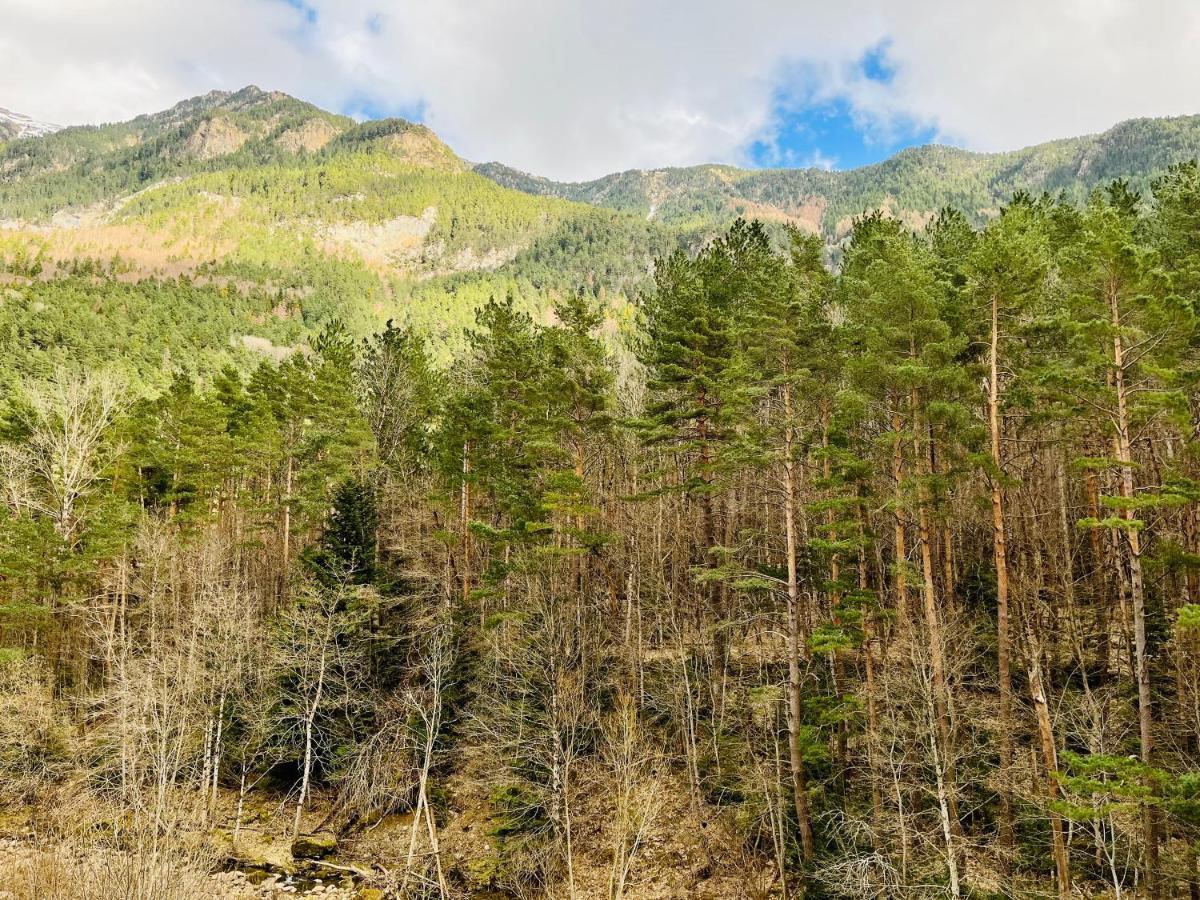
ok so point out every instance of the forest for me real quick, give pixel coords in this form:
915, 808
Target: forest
876, 580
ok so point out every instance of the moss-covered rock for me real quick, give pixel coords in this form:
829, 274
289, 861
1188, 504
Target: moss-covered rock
314, 846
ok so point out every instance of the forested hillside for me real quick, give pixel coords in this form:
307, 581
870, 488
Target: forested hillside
913, 185
296, 218
309, 217
379, 531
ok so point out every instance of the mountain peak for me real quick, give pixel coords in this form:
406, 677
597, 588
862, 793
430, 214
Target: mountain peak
411, 141
15, 125
247, 98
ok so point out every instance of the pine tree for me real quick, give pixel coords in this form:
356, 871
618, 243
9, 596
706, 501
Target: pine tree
911, 366
692, 384
1123, 333
580, 384
181, 439
782, 378
1007, 270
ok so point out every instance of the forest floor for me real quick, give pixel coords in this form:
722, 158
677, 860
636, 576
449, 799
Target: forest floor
678, 855
33, 871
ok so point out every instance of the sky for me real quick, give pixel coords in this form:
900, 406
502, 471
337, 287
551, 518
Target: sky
574, 89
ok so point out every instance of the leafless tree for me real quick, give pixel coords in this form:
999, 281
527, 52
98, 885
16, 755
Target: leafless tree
68, 419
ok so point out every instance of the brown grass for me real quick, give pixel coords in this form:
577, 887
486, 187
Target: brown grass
65, 872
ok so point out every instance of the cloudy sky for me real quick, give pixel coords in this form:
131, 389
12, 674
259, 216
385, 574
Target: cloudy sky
577, 88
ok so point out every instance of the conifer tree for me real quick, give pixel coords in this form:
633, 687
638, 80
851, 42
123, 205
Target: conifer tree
784, 368
692, 385
911, 368
1007, 270
1123, 341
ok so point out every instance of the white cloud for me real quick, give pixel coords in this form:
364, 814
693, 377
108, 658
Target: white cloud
573, 88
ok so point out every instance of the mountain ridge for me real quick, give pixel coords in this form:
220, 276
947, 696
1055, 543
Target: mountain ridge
1134, 148
252, 126
277, 216
79, 166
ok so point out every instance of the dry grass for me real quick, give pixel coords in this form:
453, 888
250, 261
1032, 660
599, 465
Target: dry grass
63, 872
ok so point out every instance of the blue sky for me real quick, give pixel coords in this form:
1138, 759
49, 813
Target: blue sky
828, 132
575, 89
828, 135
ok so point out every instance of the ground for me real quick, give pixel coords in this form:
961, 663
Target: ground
670, 862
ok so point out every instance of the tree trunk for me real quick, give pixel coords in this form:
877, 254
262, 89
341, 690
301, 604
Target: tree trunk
901, 578
1000, 556
1041, 707
841, 738
1037, 694
287, 524
464, 522
309, 718
945, 814
795, 637
1136, 588
933, 624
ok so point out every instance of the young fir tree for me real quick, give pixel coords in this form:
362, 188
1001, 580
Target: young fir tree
346, 551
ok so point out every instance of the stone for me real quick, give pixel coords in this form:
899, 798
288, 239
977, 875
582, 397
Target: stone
314, 846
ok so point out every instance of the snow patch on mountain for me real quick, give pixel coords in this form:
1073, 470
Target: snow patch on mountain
17, 125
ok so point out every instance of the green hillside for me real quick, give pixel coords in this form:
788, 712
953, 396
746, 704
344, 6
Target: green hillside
913, 184
287, 217
234, 226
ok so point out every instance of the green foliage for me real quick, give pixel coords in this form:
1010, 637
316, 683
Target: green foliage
79, 166
518, 811
692, 339
1189, 619
1105, 783
149, 331
347, 548
915, 182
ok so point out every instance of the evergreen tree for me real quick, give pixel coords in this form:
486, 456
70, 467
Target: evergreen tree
1123, 336
912, 368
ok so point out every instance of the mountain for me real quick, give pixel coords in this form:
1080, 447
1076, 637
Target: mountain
913, 184
78, 166
236, 224
16, 125
217, 178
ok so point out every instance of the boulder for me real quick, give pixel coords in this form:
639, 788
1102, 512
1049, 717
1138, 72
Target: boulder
314, 846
